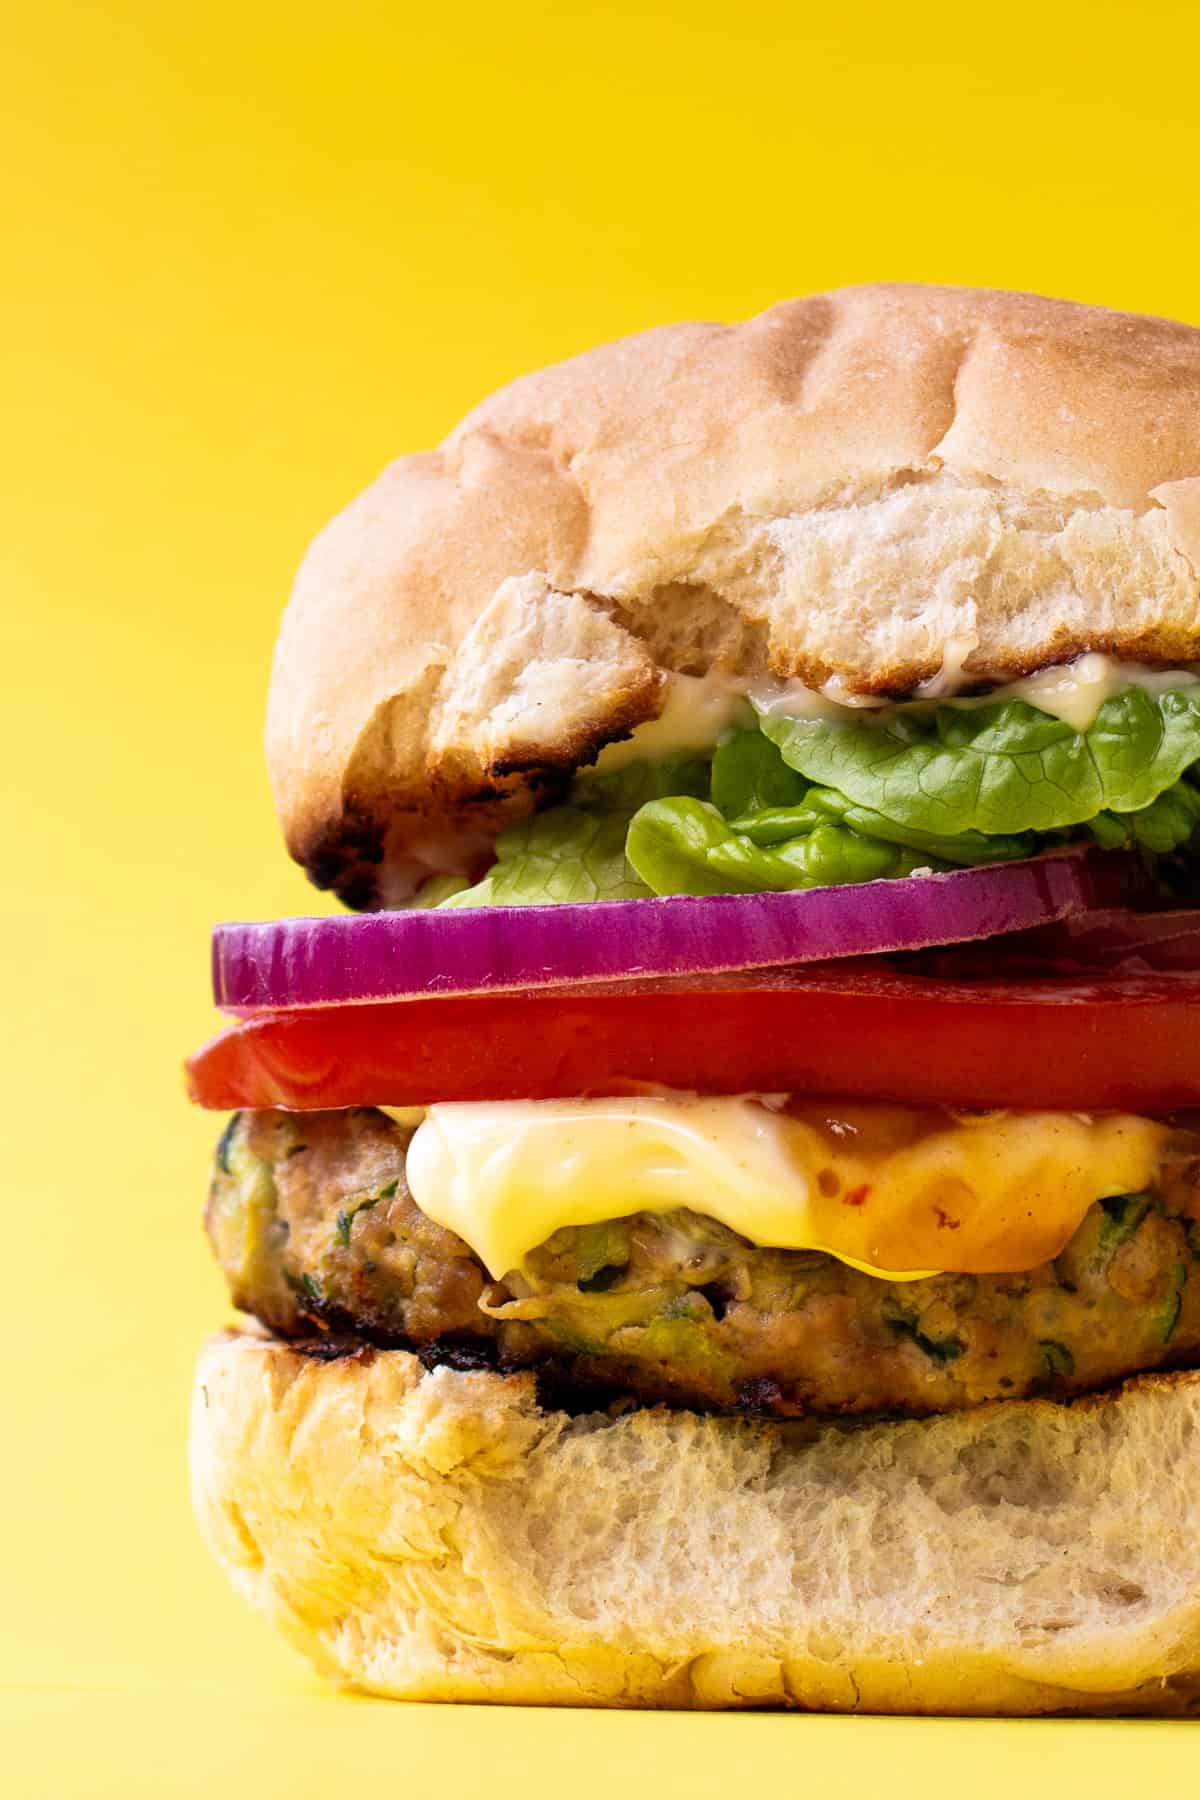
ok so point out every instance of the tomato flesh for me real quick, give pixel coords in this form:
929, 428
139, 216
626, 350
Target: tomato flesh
842, 1030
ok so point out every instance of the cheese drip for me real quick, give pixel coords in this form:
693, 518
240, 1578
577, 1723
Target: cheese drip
901, 1192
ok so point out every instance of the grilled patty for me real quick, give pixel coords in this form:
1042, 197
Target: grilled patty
311, 1219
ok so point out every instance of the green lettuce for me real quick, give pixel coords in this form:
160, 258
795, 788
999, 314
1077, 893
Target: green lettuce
577, 851
563, 854
686, 847
770, 829
1169, 824
770, 802
749, 776
780, 823
805, 803
1003, 767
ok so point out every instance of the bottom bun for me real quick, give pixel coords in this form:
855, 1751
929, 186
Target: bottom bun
438, 1536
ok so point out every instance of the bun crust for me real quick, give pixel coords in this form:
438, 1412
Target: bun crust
855, 485
440, 1537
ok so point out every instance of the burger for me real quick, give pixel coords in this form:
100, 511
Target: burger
718, 1222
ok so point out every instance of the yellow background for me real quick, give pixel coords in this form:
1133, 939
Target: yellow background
248, 252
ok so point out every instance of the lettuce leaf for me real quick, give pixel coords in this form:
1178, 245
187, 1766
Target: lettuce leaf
769, 803
567, 853
686, 847
967, 849
624, 790
436, 891
1000, 768
1169, 824
749, 776
577, 851
812, 803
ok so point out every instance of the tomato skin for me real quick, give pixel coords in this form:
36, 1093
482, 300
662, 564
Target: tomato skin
1132, 1044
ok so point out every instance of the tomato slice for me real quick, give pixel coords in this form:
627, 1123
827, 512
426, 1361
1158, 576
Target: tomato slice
849, 1030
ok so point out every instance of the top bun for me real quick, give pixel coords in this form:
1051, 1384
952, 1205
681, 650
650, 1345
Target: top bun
857, 485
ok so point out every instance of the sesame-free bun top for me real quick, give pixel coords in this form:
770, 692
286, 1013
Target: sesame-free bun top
856, 485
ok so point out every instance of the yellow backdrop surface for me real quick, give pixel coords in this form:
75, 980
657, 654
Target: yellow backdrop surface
250, 251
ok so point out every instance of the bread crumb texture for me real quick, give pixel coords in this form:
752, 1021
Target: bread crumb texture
437, 1536
855, 485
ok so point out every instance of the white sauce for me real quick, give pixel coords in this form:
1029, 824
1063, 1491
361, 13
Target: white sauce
1073, 692
699, 710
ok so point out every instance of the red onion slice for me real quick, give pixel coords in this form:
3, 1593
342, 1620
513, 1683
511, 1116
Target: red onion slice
397, 955
1115, 941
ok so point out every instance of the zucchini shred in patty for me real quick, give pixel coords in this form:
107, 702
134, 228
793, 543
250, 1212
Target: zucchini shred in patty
312, 1221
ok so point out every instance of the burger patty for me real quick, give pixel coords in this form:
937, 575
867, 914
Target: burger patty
311, 1218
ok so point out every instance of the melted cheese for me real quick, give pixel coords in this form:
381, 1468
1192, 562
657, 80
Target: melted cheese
901, 1192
